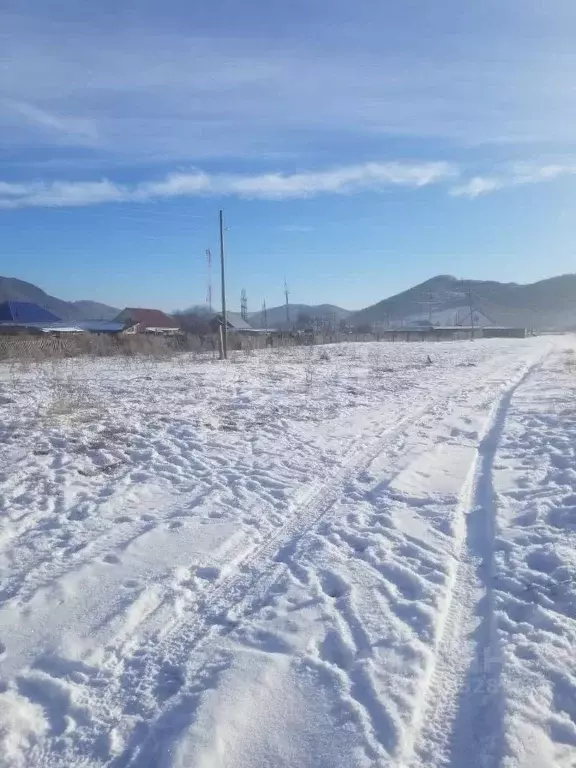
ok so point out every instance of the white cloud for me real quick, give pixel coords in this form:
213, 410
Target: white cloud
371, 176
76, 129
477, 186
347, 179
515, 175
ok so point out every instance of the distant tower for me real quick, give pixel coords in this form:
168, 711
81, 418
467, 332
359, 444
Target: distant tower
287, 294
244, 305
264, 315
209, 290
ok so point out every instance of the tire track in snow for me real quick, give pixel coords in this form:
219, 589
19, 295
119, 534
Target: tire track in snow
125, 694
458, 722
264, 568
128, 692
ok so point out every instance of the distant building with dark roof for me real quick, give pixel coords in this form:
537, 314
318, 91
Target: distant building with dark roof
140, 320
234, 322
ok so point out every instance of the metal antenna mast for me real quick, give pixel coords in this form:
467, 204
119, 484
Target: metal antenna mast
264, 315
244, 305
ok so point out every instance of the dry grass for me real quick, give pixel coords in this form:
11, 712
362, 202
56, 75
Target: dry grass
37, 349
40, 348
70, 399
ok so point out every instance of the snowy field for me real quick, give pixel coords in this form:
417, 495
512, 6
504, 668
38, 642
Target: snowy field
324, 557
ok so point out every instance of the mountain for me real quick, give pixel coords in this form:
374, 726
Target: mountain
547, 304
12, 289
276, 316
94, 310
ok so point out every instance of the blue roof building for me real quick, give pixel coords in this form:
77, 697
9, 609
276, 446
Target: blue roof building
25, 312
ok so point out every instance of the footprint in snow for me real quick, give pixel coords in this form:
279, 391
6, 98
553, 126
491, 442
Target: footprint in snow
544, 560
111, 558
78, 514
334, 650
332, 585
168, 682
2, 648
208, 573
131, 584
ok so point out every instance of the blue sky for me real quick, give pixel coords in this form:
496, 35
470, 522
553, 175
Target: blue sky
355, 148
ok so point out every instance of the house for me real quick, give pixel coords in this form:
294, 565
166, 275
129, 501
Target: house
234, 322
84, 326
139, 320
18, 317
24, 312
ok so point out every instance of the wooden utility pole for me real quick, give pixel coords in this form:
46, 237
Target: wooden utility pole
223, 276
244, 305
286, 294
209, 290
471, 311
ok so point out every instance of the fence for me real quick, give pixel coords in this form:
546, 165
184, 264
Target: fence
40, 347
49, 346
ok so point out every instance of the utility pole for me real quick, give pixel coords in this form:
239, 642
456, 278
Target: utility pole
209, 291
430, 307
265, 315
286, 294
223, 276
471, 311
244, 305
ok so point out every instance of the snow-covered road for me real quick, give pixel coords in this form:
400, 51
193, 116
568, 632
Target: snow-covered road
328, 557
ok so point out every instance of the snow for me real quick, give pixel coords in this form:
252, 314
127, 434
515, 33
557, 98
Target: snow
286, 560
